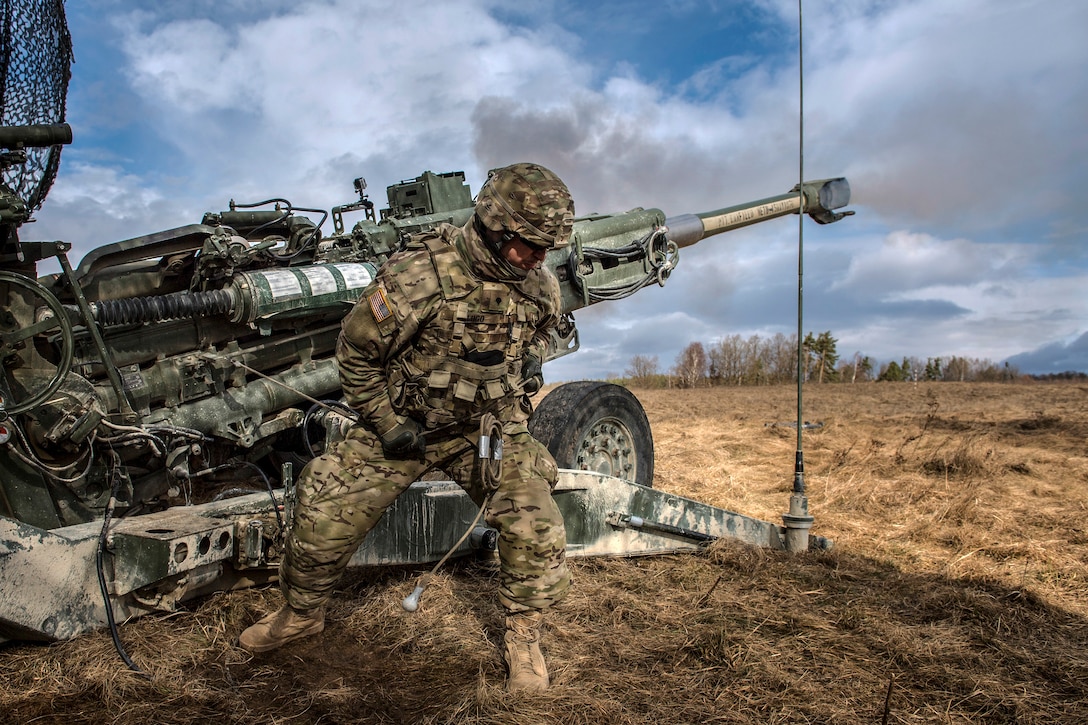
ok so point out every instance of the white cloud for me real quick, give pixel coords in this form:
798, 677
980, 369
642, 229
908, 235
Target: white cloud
958, 123
280, 94
955, 112
914, 262
98, 204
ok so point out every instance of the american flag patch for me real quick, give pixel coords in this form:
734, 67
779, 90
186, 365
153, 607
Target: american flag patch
379, 305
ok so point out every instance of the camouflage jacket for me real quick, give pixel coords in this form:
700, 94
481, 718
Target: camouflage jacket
442, 332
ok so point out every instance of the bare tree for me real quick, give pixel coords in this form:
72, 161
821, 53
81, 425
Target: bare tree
753, 361
691, 366
726, 364
642, 370
782, 358
957, 370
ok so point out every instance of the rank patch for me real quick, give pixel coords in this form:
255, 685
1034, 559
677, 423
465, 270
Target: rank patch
379, 305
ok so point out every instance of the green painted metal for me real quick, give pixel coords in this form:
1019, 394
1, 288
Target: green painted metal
203, 352
157, 561
298, 291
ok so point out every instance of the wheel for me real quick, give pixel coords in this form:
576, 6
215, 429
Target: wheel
13, 339
595, 426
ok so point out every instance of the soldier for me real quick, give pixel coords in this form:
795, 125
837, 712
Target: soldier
453, 328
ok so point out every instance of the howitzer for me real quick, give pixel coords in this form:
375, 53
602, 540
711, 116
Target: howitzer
158, 398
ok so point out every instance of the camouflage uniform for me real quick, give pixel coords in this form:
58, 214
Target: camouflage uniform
441, 336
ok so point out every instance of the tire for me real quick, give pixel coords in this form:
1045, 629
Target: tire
595, 426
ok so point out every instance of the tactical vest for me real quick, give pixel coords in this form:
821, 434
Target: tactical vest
468, 358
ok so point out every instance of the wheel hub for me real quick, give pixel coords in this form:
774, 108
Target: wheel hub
606, 449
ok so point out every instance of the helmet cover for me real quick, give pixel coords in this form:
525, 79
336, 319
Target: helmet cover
528, 200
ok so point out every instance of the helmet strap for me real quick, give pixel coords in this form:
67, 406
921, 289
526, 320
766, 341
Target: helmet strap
493, 241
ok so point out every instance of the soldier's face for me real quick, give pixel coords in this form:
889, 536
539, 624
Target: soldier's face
522, 255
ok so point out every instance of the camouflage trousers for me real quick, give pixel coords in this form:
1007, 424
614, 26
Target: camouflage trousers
343, 493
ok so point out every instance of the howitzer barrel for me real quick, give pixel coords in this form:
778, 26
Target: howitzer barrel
613, 257
820, 199
35, 136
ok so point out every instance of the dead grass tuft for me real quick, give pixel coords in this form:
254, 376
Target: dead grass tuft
956, 593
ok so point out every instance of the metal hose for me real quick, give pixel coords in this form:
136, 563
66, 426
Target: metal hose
177, 306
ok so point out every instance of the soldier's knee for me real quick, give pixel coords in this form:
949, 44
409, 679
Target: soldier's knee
533, 461
545, 467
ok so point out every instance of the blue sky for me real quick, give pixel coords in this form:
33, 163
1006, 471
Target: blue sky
959, 123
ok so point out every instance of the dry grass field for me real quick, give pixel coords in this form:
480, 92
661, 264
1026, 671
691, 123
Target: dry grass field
956, 592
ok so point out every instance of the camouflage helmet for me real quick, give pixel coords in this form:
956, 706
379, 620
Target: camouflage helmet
530, 201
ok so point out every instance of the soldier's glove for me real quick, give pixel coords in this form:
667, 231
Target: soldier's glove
404, 440
531, 375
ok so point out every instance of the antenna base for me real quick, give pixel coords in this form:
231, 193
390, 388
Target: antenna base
797, 523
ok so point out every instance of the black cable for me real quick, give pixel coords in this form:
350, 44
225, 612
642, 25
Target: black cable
115, 462
661, 253
267, 485
291, 208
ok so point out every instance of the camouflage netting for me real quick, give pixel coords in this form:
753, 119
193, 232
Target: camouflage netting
35, 66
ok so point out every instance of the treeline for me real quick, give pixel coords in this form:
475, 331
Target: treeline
756, 360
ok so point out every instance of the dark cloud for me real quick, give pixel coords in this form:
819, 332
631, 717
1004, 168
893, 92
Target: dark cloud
614, 161
1055, 357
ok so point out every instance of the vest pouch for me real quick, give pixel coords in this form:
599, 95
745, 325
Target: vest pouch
466, 390
459, 386
439, 379
495, 389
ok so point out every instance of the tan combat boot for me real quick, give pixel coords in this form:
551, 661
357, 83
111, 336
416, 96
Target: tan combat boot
278, 628
528, 671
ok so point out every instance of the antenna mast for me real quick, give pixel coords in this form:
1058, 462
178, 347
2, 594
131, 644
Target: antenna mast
797, 521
